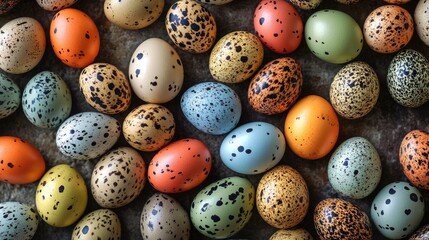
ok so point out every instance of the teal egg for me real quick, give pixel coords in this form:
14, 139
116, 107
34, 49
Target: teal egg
10, 96
18, 221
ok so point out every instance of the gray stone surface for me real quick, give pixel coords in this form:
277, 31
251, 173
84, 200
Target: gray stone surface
385, 126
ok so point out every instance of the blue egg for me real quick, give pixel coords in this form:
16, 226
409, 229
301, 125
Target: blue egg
211, 107
253, 148
18, 221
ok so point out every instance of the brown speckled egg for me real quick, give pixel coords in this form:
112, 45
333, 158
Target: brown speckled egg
388, 29
296, 234
149, 127
7, 5
354, 90
191, 26
306, 4
397, 1
422, 20
55, 5
105, 88
236, 57
276, 86
282, 197
413, 155
335, 218
421, 234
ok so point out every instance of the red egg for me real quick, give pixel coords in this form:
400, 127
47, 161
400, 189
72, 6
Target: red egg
278, 25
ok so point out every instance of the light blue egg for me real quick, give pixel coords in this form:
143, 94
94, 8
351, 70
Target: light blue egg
211, 107
18, 221
10, 96
253, 148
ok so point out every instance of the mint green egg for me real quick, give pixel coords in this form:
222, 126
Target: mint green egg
333, 36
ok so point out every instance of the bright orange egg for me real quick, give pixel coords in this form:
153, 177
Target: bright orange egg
74, 37
311, 127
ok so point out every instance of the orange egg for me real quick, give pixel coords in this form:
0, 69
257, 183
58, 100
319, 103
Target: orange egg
20, 162
311, 127
74, 38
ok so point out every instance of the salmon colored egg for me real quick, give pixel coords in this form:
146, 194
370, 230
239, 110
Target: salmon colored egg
311, 127
74, 37
20, 162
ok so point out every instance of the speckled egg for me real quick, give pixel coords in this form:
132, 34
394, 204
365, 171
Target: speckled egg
408, 78
131, 14
223, 208
333, 36
354, 169
164, 218
87, 135
180, 166
276, 86
295, 234
335, 218
348, 2
236, 57
55, 5
413, 156
240, 152
354, 90
306, 4
388, 28
191, 26
118, 178
10, 96
156, 71
421, 234
19, 221
216, 2
61, 196
422, 20
22, 45
211, 107
397, 1
282, 197
397, 210
105, 88
46, 100
149, 127
100, 224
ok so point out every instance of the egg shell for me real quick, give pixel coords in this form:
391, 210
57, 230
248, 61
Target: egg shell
10, 96
354, 169
180, 166
282, 197
133, 15
295, 234
241, 153
216, 2
105, 88
408, 78
333, 36
348, 2
19, 221
397, 210
278, 25
20, 162
422, 21
223, 208
118, 178
46, 100
163, 217
421, 234
311, 127
335, 218
55, 5
149, 127
397, 1
354, 90
22, 45
211, 107
7, 5
306, 4
190, 26
156, 71
87, 135
413, 156
98, 224
388, 28
276, 86
74, 38
236, 57
61, 196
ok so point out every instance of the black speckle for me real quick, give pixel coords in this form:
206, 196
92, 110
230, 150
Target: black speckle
414, 197
392, 191
261, 20
61, 189
215, 218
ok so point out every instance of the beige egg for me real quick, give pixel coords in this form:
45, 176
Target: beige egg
149, 127
236, 57
55, 5
22, 45
388, 29
421, 16
295, 234
282, 197
132, 14
99, 224
306, 4
105, 88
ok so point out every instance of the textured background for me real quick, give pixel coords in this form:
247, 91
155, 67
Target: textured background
385, 126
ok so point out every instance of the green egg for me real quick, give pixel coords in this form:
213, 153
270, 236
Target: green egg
10, 96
